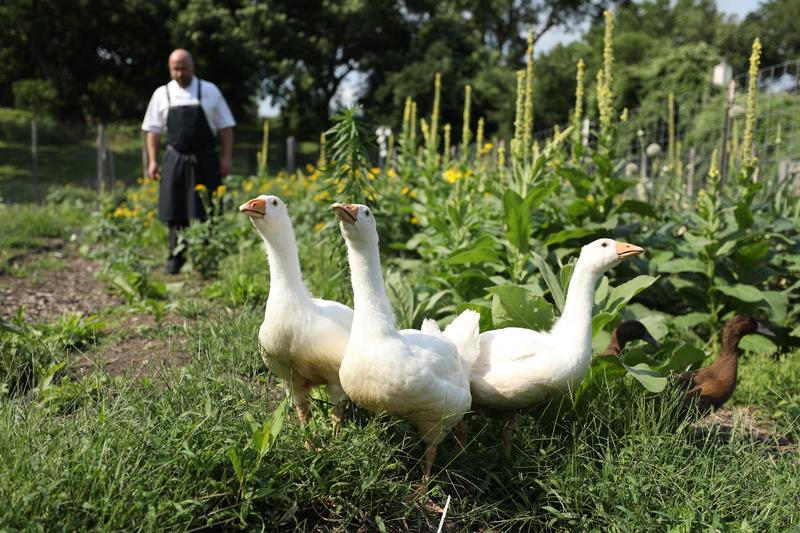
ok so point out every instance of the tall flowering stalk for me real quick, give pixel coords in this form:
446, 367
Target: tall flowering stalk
605, 77
479, 148
466, 133
577, 114
608, 49
321, 162
748, 157
433, 140
671, 129
263, 154
412, 125
519, 118
446, 155
528, 124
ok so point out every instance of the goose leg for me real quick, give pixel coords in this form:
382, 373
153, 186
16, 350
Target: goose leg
339, 398
430, 455
507, 438
302, 407
461, 433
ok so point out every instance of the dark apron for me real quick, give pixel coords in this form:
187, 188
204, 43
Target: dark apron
190, 160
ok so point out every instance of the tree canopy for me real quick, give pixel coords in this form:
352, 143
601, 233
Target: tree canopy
100, 60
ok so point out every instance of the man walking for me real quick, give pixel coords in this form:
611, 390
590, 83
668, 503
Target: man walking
194, 113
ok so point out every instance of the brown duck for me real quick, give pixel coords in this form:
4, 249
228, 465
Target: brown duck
713, 385
628, 331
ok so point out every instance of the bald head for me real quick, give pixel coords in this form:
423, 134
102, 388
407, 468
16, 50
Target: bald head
181, 67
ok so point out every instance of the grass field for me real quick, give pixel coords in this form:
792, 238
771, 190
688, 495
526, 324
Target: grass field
169, 438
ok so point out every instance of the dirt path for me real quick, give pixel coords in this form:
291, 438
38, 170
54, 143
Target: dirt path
51, 281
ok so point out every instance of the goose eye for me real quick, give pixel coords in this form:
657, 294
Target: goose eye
605, 244
366, 212
275, 203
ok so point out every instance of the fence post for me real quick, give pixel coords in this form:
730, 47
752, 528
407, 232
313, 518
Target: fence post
35, 150
723, 167
101, 158
291, 149
585, 132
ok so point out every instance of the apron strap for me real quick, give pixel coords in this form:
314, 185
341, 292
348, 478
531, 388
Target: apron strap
199, 90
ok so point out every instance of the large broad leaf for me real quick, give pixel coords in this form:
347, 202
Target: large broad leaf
650, 379
550, 280
778, 303
482, 251
518, 220
635, 206
514, 306
690, 320
683, 357
486, 323
758, 344
539, 193
568, 235
600, 320
622, 294
579, 180
683, 264
743, 293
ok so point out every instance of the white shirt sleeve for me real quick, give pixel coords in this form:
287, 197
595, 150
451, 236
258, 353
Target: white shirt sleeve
222, 118
155, 118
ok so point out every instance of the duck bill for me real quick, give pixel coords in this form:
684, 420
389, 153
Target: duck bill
255, 208
626, 250
650, 340
345, 212
764, 330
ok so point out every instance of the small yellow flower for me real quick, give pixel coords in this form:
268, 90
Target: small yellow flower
248, 186
309, 168
486, 148
590, 198
151, 215
451, 175
404, 191
318, 226
414, 220
391, 173
322, 196
220, 190
199, 187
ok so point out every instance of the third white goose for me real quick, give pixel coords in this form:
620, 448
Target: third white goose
520, 367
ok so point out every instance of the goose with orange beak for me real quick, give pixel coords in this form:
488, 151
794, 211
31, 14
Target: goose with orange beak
518, 368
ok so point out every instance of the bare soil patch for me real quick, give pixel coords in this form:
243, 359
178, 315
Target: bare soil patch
48, 293
140, 345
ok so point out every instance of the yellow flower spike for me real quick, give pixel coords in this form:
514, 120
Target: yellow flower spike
309, 168
487, 147
748, 158
220, 190
200, 187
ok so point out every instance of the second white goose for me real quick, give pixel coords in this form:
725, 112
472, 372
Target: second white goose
417, 376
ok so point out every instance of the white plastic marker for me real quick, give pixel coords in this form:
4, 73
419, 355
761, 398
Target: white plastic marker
444, 514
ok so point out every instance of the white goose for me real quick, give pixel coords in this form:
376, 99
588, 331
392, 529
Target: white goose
421, 377
519, 367
302, 338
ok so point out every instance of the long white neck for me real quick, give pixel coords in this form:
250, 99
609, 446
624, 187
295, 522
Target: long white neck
284, 265
575, 324
372, 311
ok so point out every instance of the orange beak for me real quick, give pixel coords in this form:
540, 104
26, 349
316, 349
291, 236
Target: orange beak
625, 250
254, 208
345, 212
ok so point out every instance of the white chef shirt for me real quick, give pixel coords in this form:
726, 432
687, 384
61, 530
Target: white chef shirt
216, 109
